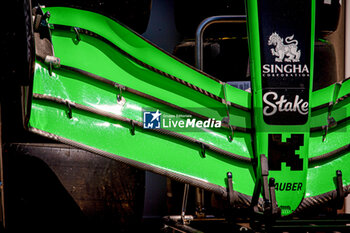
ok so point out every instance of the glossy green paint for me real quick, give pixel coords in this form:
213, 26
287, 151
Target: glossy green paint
344, 89
336, 137
337, 108
78, 89
322, 96
164, 152
141, 49
145, 146
325, 96
320, 175
112, 64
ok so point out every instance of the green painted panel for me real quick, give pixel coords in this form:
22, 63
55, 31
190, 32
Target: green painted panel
336, 138
344, 89
322, 96
138, 47
145, 146
76, 88
321, 175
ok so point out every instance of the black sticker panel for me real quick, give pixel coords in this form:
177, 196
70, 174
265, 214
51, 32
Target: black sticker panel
285, 56
285, 152
285, 106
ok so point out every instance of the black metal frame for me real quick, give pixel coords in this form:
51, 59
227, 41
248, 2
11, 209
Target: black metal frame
338, 222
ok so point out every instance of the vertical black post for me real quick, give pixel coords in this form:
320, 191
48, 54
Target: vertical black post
262, 185
274, 207
184, 203
340, 190
231, 194
265, 184
2, 209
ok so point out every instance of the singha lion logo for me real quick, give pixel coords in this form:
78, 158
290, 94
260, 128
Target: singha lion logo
289, 51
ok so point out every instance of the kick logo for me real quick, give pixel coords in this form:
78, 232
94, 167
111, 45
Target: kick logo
289, 52
151, 120
285, 152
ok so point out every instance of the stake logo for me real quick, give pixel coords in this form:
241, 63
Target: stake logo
275, 104
151, 120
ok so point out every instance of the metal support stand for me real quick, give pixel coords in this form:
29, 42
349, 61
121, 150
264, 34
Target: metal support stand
184, 203
173, 221
206, 23
340, 198
2, 204
275, 211
232, 196
200, 209
267, 188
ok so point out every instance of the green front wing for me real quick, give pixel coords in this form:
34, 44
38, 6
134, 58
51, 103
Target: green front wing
108, 76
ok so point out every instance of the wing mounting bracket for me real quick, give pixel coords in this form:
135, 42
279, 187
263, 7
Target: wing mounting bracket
267, 189
340, 190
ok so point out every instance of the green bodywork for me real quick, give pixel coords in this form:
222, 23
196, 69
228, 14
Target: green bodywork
161, 153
